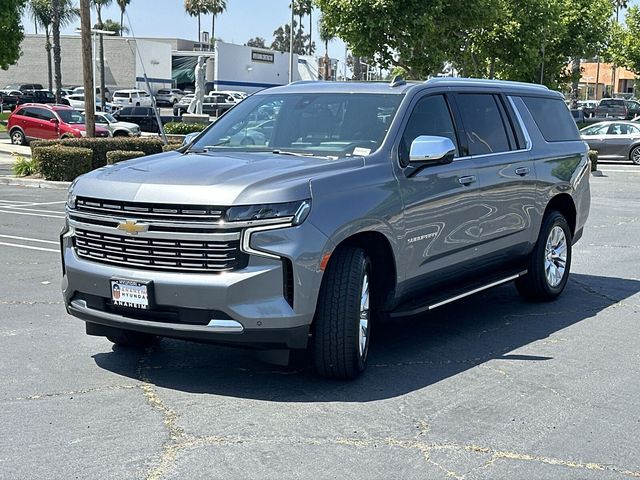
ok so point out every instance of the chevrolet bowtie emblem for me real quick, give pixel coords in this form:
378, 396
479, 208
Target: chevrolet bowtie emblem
132, 228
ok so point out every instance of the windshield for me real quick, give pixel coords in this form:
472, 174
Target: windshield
324, 124
121, 95
70, 116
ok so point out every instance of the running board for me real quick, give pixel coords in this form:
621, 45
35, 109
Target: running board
428, 305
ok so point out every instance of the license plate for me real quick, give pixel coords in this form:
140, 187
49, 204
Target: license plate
130, 293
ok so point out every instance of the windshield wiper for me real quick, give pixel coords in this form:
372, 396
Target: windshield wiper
298, 154
208, 147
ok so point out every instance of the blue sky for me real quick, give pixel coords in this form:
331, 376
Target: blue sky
243, 20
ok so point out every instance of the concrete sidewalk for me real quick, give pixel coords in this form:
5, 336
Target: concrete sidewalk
9, 153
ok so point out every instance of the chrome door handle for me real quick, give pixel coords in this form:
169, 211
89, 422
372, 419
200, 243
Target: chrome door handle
468, 180
522, 171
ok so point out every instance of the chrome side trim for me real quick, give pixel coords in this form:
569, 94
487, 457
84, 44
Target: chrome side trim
525, 132
164, 223
173, 235
225, 326
476, 290
245, 245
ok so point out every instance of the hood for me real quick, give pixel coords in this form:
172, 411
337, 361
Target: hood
82, 127
220, 178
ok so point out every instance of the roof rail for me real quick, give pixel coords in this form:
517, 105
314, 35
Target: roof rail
481, 81
303, 82
397, 81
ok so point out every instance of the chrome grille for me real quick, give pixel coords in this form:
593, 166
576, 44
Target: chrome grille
150, 211
160, 254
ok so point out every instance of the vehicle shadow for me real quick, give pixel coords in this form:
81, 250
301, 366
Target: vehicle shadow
407, 354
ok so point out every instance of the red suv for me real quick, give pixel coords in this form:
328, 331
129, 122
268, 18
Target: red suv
46, 122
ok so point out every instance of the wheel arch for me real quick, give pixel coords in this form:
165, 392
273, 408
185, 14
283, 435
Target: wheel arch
378, 248
563, 203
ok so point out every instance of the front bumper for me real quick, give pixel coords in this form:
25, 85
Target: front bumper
186, 303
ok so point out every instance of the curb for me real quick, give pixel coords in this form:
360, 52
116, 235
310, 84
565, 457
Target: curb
33, 183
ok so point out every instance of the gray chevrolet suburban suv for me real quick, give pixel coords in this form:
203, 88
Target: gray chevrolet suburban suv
309, 212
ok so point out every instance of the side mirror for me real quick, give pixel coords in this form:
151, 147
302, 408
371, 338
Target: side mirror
431, 150
54, 121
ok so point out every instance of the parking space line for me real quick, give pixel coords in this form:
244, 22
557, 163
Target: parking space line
12, 201
21, 209
13, 237
15, 212
33, 204
29, 247
619, 171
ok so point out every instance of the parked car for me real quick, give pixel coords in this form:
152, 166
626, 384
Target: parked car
7, 100
588, 107
169, 96
214, 105
131, 98
46, 122
76, 100
40, 96
615, 140
367, 201
24, 87
107, 93
117, 128
143, 116
237, 96
618, 108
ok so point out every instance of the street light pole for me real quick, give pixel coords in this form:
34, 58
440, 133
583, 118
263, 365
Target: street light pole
291, 46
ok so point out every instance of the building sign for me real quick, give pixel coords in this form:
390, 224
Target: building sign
263, 57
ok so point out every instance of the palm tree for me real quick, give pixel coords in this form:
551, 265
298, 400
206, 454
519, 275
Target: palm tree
63, 14
195, 8
123, 4
42, 13
216, 7
100, 4
326, 35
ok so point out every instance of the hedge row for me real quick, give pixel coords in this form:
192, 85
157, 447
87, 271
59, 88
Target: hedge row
121, 155
61, 163
100, 146
180, 128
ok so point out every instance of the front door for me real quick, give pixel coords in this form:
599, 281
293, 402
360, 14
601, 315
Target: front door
440, 201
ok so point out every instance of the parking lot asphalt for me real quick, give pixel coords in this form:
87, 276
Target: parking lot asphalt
491, 387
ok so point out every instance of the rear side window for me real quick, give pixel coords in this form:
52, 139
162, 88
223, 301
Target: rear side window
553, 119
483, 124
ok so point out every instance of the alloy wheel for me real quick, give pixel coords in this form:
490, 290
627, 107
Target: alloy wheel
555, 259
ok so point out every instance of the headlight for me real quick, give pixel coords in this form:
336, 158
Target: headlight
298, 210
71, 197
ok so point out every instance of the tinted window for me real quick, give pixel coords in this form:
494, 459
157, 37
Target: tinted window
483, 124
163, 92
610, 101
71, 116
126, 111
622, 129
21, 112
553, 119
430, 116
595, 130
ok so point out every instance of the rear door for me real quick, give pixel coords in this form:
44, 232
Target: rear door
496, 142
619, 138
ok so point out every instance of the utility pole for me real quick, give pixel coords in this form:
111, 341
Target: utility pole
291, 45
87, 69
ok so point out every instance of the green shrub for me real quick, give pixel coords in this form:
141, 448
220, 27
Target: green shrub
593, 156
24, 167
116, 156
61, 163
180, 128
100, 146
171, 147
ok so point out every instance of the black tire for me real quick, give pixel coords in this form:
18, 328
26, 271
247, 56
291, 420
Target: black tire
130, 339
120, 133
535, 285
634, 155
336, 340
17, 137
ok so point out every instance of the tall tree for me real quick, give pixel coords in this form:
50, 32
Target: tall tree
63, 14
257, 42
326, 35
115, 27
123, 4
11, 31
215, 8
43, 13
196, 8
418, 35
625, 48
99, 5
